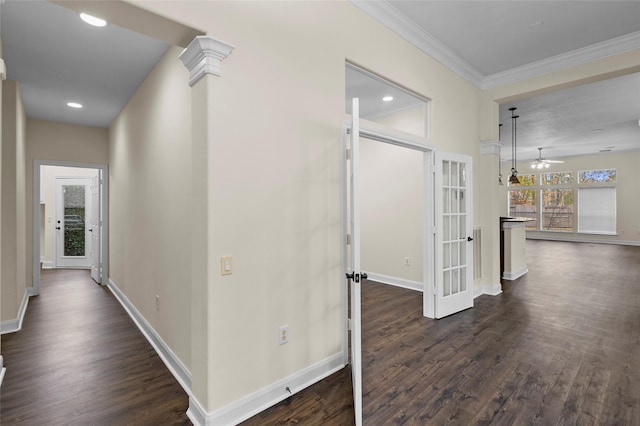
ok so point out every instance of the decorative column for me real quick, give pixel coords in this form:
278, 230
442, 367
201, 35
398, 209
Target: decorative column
202, 58
491, 206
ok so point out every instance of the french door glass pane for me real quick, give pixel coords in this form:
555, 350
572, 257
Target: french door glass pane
74, 214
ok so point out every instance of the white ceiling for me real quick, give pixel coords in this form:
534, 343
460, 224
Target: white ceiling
57, 58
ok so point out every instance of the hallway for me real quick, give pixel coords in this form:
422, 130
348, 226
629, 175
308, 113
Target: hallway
80, 360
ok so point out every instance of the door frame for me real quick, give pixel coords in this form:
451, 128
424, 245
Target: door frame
59, 209
104, 211
380, 133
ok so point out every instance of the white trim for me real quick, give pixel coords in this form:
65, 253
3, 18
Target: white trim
398, 282
11, 326
406, 28
2, 370
568, 239
492, 290
203, 56
515, 274
565, 60
490, 147
47, 264
252, 404
173, 363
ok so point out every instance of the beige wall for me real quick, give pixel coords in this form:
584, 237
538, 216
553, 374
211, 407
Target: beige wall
48, 205
51, 141
14, 263
277, 173
150, 198
627, 200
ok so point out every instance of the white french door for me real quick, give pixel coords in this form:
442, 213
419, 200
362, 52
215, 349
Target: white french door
353, 273
72, 239
454, 279
95, 231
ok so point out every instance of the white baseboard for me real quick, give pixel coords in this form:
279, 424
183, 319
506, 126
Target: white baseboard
175, 366
515, 274
252, 404
579, 239
398, 282
490, 290
47, 264
11, 326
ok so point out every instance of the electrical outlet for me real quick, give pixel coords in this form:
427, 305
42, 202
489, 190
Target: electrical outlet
407, 261
283, 335
157, 302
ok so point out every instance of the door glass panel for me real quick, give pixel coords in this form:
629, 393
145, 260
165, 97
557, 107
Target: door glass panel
446, 283
463, 175
454, 254
74, 214
445, 200
462, 201
445, 253
454, 201
463, 279
463, 254
454, 281
463, 227
445, 173
454, 228
447, 228
454, 173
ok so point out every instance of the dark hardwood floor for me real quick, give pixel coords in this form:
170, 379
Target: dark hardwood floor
560, 346
80, 360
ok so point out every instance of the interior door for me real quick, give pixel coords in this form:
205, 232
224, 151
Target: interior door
95, 230
454, 280
71, 230
353, 274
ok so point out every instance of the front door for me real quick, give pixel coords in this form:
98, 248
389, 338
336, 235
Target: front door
454, 280
72, 215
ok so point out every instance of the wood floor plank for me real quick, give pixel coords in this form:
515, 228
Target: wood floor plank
79, 360
560, 345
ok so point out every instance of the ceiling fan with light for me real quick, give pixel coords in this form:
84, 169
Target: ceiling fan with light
543, 163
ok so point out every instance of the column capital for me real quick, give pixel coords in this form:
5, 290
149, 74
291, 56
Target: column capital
490, 147
203, 56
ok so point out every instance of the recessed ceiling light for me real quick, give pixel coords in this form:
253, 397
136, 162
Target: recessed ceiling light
387, 98
74, 105
92, 20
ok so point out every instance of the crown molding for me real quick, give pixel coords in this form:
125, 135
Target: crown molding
390, 17
203, 56
397, 22
580, 56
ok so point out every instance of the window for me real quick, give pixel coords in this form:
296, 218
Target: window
597, 201
560, 203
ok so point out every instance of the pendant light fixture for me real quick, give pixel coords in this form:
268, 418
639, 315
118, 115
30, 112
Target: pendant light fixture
513, 180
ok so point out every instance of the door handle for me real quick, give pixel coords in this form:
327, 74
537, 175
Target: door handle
90, 230
469, 239
356, 277
57, 227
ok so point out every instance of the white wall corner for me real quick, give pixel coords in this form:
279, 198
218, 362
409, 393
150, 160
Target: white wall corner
203, 56
514, 275
491, 147
477, 291
173, 363
2, 370
492, 289
252, 404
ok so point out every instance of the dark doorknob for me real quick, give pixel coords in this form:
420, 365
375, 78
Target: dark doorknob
469, 239
57, 227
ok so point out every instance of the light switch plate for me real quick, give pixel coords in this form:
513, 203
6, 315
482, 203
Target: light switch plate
226, 265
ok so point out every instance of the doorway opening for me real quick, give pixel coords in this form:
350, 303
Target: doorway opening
70, 218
